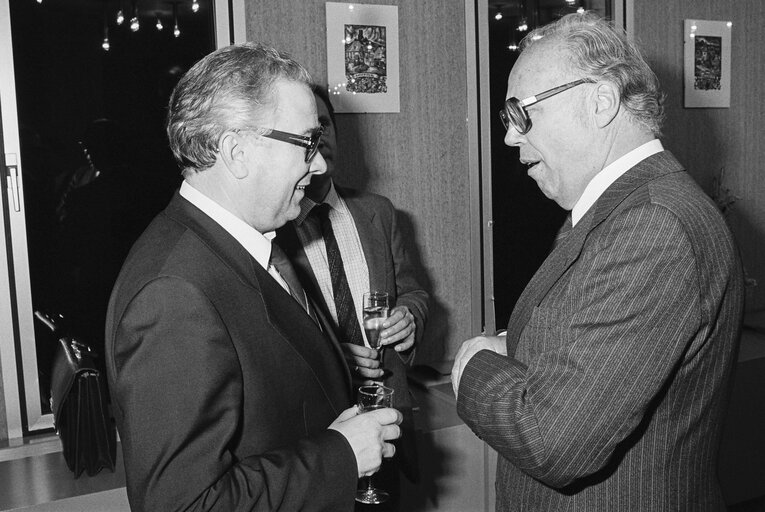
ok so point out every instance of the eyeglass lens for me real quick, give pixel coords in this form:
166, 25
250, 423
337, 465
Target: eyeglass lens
513, 114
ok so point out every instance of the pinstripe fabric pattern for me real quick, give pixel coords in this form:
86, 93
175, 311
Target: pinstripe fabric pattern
622, 347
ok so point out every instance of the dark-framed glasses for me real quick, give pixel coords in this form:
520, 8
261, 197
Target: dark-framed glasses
311, 144
514, 112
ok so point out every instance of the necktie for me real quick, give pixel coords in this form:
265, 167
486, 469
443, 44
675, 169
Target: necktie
346, 310
282, 265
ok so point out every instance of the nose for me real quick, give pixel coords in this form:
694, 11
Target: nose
513, 138
317, 165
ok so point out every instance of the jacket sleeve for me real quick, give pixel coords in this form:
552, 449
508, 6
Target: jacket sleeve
178, 390
620, 336
410, 277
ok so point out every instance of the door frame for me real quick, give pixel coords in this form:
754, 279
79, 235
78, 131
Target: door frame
18, 358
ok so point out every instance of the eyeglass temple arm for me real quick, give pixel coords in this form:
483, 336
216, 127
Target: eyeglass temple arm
288, 137
552, 92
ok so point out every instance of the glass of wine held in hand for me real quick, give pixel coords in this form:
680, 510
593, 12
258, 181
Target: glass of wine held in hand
376, 310
370, 398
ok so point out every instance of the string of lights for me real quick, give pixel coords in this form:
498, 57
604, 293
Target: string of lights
118, 15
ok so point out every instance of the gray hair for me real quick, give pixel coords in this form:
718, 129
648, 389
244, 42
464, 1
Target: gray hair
224, 91
603, 52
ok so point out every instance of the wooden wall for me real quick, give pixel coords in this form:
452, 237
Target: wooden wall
707, 140
418, 157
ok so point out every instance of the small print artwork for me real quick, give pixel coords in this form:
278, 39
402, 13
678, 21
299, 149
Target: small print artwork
366, 59
363, 57
707, 63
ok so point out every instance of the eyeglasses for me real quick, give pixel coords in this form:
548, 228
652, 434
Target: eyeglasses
311, 144
514, 112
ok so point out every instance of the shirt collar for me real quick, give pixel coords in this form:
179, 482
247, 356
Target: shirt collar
610, 174
306, 204
256, 243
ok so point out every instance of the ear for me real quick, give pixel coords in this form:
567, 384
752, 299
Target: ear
607, 103
232, 150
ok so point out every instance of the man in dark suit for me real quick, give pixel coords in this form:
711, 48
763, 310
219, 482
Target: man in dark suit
374, 255
610, 389
227, 394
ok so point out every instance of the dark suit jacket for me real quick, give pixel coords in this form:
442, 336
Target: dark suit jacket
223, 387
391, 268
620, 354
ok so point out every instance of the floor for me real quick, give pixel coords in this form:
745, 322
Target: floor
42, 482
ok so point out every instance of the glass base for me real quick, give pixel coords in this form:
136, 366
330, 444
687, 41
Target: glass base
371, 496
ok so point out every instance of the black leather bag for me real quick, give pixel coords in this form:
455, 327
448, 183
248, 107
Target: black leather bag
80, 408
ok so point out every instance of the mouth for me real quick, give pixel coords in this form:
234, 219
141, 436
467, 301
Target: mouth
529, 163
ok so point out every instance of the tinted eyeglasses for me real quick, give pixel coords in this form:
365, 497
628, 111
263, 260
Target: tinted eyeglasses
311, 144
514, 112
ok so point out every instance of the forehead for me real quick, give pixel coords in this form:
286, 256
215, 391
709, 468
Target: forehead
293, 104
537, 69
321, 108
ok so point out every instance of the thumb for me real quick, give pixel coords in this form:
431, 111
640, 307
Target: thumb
348, 414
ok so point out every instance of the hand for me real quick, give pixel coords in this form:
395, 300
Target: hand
399, 328
367, 434
470, 348
363, 362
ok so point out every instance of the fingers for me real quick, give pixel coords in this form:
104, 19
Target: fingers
388, 450
363, 362
358, 351
368, 373
348, 413
386, 417
399, 326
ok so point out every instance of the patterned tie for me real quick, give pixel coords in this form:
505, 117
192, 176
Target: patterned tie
282, 265
346, 310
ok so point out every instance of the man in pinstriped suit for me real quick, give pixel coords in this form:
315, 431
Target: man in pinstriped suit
610, 388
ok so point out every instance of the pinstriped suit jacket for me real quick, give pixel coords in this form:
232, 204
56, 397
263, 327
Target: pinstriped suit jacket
620, 352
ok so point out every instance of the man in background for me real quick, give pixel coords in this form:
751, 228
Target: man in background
227, 394
610, 388
361, 231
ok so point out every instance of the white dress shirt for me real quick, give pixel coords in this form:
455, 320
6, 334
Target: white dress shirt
256, 243
610, 174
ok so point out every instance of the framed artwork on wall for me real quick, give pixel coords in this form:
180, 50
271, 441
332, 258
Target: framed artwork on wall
707, 63
362, 57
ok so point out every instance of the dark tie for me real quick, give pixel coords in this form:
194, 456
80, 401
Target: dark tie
282, 265
346, 310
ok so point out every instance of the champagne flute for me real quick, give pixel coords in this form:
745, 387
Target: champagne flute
370, 398
376, 310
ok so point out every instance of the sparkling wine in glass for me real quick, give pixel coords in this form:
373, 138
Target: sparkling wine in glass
370, 398
376, 310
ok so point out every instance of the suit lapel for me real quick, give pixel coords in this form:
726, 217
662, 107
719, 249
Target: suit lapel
569, 249
292, 322
301, 332
214, 236
289, 242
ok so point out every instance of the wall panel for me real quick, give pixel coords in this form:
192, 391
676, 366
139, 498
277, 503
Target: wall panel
418, 157
707, 140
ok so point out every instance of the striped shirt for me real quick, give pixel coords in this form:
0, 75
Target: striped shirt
356, 270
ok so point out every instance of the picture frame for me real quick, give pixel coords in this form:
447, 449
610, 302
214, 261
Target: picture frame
363, 57
707, 56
